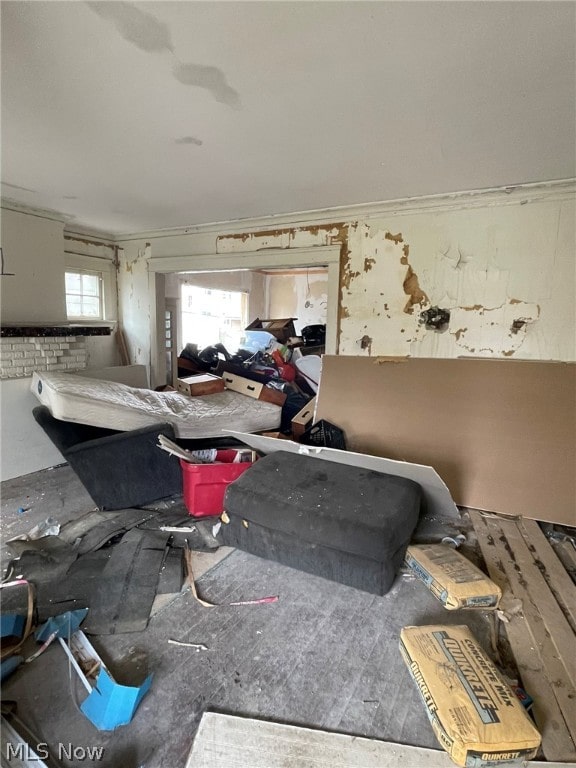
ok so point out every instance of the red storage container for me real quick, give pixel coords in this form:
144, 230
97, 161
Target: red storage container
205, 484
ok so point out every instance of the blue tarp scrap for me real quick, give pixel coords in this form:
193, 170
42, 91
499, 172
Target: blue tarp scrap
111, 704
63, 625
12, 625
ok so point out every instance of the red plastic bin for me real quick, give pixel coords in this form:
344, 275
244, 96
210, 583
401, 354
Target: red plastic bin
205, 484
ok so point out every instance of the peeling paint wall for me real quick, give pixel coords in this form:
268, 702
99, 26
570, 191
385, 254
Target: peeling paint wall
502, 265
134, 299
299, 294
505, 273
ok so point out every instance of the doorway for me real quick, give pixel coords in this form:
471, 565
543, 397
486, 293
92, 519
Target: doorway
306, 261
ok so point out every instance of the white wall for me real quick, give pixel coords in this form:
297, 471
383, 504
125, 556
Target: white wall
488, 266
24, 447
299, 294
38, 250
34, 250
490, 258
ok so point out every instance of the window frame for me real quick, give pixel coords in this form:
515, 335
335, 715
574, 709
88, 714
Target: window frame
94, 273
106, 269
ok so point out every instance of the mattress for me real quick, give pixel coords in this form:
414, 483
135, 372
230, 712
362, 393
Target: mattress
112, 405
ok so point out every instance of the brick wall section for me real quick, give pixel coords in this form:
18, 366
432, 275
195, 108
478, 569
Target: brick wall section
21, 356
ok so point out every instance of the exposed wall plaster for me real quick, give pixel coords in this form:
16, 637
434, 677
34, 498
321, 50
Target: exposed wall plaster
504, 271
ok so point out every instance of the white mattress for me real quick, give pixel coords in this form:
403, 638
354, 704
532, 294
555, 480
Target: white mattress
117, 406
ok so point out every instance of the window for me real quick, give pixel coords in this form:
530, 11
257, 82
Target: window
211, 316
84, 295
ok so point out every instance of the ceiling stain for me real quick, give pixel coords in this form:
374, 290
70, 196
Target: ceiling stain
509, 353
189, 140
138, 27
405, 251
15, 186
210, 78
395, 238
459, 332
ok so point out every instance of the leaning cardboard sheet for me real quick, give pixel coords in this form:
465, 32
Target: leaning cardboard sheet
475, 715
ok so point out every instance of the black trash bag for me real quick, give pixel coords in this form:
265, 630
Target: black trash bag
314, 335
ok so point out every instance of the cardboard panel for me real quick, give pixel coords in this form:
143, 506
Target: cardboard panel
500, 433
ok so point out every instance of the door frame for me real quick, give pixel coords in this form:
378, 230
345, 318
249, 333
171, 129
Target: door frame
269, 258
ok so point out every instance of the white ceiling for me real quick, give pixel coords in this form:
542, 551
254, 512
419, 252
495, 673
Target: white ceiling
133, 116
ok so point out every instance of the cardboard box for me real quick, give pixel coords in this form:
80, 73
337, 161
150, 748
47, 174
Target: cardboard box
282, 328
303, 419
451, 578
201, 384
253, 389
474, 713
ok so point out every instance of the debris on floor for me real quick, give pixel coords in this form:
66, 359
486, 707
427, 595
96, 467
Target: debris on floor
451, 578
109, 704
475, 715
223, 741
540, 624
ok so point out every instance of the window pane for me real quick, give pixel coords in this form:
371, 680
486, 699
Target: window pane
90, 285
73, 282
91, 306
73, 306
83, 297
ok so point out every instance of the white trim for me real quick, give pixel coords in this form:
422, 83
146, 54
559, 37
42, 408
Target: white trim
106, 270
293, 257
95, 236
43, 213
560, 189
269, 257
512, 194
91, 263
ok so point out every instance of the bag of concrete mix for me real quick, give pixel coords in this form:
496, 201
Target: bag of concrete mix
451, 578
474, 713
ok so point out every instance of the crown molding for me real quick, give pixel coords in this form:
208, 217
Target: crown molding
514, 194
9, 204
519, 194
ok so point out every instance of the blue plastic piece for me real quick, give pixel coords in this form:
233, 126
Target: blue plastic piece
12, 625
64, 625
9, 665
111, 704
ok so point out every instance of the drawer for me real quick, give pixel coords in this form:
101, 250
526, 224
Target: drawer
242, 386
253, 389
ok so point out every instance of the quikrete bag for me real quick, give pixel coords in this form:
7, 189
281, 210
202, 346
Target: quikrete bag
451, 578
474, 713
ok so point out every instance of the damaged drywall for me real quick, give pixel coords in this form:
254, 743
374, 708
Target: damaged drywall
503, 274
134, 300
380, 294
504, 271
308, 236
